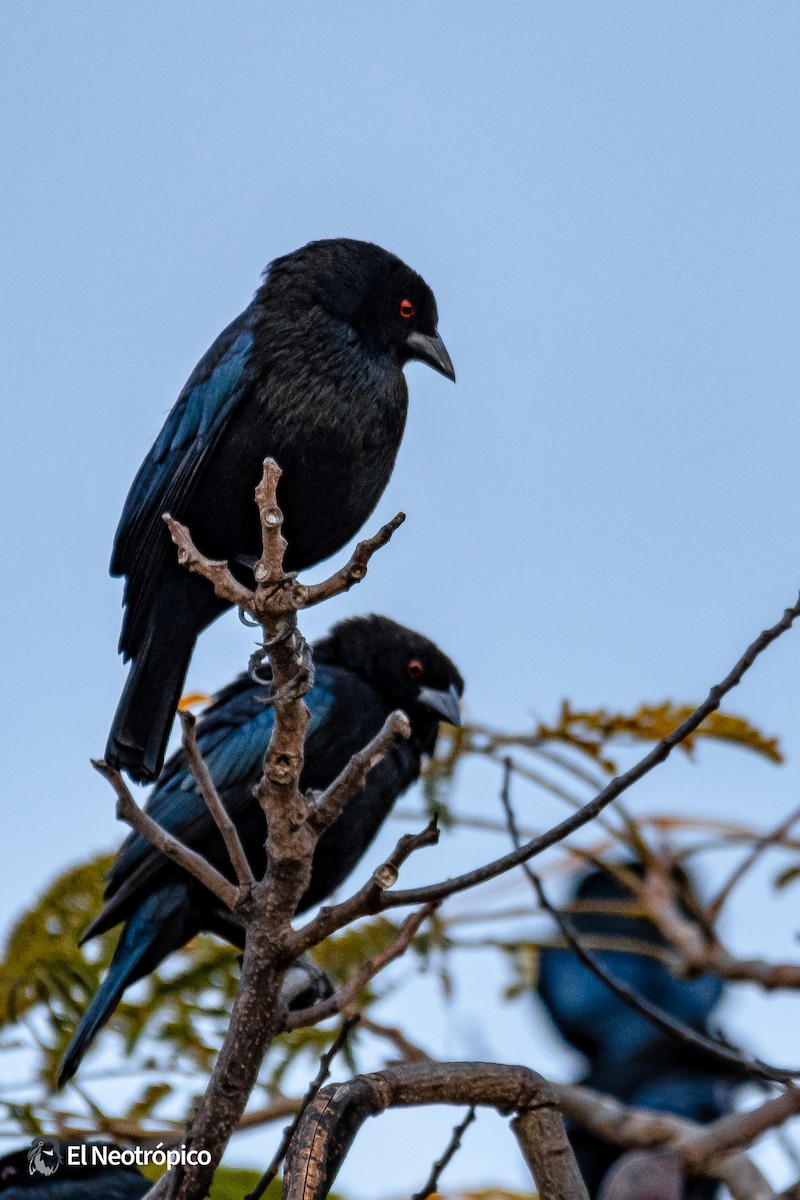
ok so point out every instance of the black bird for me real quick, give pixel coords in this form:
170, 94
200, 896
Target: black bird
22, 1179
366, 668
310, 373
628, 1057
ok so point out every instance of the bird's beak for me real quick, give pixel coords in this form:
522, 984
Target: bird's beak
429, 348
445, 704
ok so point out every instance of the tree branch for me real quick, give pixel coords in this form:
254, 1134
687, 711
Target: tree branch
354, 570
269, 904
205, 785
661, 1020
368, 900
333, 1118
332, 802
316, 1083
343, 1000
695, 953
618, 785
431, 1184
196, 866
703, 1148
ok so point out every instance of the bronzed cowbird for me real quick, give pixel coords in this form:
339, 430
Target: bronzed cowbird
628, 1057
364, 669
311, 374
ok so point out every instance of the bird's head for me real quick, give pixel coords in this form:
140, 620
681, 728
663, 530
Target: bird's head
408, 669
387, 305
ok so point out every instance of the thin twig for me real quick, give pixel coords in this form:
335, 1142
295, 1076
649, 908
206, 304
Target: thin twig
197, 866
409, 1050
431, 1184
657, 1017
698, 953
618, 785
354, 570
367, 899
332, 802
343, 1000
316, 1083
768, 839
205, 784
216, 572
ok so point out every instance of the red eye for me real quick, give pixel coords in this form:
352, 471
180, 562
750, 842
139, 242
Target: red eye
406, 309
415, 668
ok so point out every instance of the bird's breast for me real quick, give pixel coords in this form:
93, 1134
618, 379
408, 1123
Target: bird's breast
335, 437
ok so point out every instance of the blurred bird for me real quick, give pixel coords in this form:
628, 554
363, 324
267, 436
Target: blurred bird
311, 374
21, 1177
365, 669
628, 1057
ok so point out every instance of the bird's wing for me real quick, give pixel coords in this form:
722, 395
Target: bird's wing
232, 737
168, 473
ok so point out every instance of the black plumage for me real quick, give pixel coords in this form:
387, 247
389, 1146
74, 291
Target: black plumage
628, 1057
365, 669
22, 1175
309, 374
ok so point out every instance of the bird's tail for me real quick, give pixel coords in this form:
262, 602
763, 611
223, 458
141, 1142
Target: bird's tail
138, 739
162, 924
102, 1006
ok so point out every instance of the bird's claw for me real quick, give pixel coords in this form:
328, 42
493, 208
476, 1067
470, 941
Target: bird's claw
301, 683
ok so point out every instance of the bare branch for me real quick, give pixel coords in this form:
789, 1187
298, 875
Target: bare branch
618, 785
737, 1130
763, 843
431, 1184
657, 1017
333, 1118
354, 570
205, 784
368, 899
409, 1051
343, 1000
194, 864
327, 807
316, 1083
696, 953
216, 572
269, 568
639, 1128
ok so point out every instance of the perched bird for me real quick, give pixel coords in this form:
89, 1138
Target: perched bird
42, 1172
628, 1057
366, 668
311, 374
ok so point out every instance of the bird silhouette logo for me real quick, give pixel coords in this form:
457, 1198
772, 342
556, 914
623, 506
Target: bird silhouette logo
44, 1156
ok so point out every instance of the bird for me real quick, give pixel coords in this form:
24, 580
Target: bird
43, 1172
311, 375
366, 668
628, 1057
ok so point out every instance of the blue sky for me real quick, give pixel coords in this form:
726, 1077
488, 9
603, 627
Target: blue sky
605, 201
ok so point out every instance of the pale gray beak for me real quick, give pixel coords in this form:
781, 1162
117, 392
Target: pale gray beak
430, 349
444, 703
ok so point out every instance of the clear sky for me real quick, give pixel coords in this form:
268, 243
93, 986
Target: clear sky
604, 198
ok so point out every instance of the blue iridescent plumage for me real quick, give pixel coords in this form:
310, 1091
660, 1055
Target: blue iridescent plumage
628, 1057
363, 672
